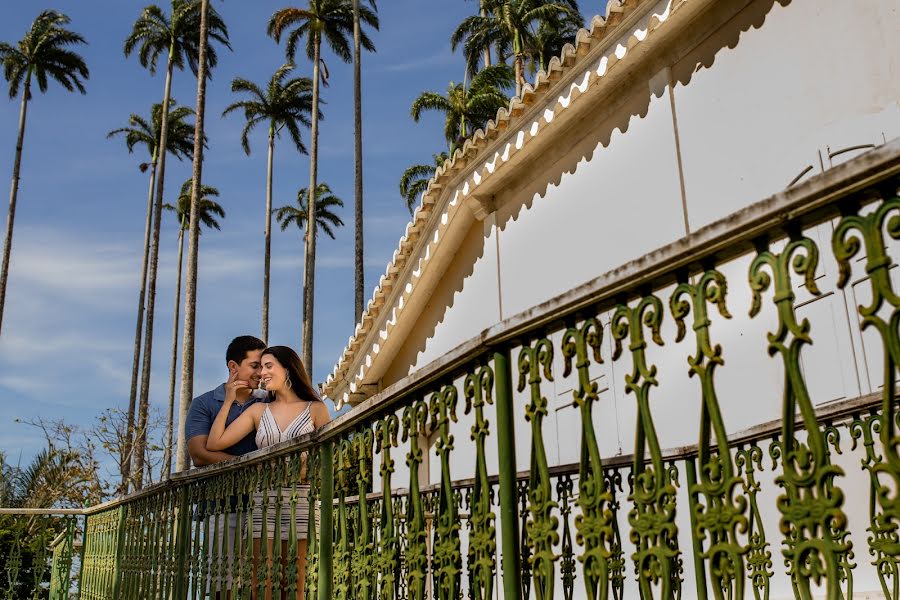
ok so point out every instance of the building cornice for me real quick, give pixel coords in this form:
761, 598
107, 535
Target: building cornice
458, 192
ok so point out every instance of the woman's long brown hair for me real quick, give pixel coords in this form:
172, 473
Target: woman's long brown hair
300, 381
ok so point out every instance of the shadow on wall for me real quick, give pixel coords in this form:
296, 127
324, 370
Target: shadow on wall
574, 146
443, 297
620, 104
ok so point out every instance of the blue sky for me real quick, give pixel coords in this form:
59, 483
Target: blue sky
65, 350
66, 346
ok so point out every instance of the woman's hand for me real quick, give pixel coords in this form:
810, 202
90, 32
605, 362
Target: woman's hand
221, 438
233, 385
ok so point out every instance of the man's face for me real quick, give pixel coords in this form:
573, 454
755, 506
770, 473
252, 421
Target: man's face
249, 368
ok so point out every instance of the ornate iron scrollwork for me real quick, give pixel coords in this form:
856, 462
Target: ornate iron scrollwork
541, 527
812, 520
652, 516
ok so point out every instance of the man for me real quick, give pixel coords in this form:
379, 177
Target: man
243, 361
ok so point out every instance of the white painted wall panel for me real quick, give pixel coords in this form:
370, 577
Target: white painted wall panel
817, 74
818, 77
475, 304
622, 202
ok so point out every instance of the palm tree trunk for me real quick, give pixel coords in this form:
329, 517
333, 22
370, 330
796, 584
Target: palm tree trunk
517, 61
140, 442
190, 290
463, 134
309, 273
268, 231
13, 193
358, 170
125, 462
167, 457
486, 51
519, 76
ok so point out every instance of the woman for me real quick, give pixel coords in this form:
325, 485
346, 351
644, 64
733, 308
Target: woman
294, 409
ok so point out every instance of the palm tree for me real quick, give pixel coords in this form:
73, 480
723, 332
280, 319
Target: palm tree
43, 54
508, 25
415, 180
359, 278
329, 21
486, 51
551, 35
284, 104
180, 142
190, 292
208, 211
326, 218
47, 482
467, 109
44, 482
153, 34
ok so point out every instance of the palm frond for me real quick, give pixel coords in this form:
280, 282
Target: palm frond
44, 52
429, 101
208, 209
327, 219
499, 76
284, 103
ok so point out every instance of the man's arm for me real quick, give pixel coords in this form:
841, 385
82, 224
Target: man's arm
201, 456
196, 429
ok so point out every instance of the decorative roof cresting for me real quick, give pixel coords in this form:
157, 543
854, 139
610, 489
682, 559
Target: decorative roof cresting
462, 167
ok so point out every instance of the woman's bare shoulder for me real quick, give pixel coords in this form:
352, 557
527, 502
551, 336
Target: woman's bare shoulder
257, 409
320, 413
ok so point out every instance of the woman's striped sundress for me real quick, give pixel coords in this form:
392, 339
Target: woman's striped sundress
269, 434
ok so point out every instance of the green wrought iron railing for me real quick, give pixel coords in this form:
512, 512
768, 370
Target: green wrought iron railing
39, 553
804, 502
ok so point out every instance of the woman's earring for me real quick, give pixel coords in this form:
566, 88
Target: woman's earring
287, 381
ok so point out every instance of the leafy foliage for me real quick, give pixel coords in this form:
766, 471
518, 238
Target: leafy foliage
415, 180
62, 475
208, 209
283, 104
329, 21
44, 53
144, 133
326, 219
467, 108
516, 28
155, 33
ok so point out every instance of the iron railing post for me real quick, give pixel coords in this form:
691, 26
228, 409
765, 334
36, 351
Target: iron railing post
120, 549
81, 551
65, 570
182, 544
326, 530
699, 565
510, 561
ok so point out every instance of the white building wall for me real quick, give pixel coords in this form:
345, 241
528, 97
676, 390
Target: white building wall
621, 201
753, 106
816, 75
778, 89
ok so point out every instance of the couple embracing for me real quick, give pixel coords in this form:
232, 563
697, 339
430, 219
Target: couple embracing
238, 417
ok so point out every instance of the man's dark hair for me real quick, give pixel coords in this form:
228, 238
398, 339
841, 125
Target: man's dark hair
241, 345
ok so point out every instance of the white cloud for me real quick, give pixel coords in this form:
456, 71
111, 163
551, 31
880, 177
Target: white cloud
27, 384
440, 58
51, 262
325, 261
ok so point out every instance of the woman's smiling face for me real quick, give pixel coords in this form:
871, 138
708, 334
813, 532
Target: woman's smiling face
273, 375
